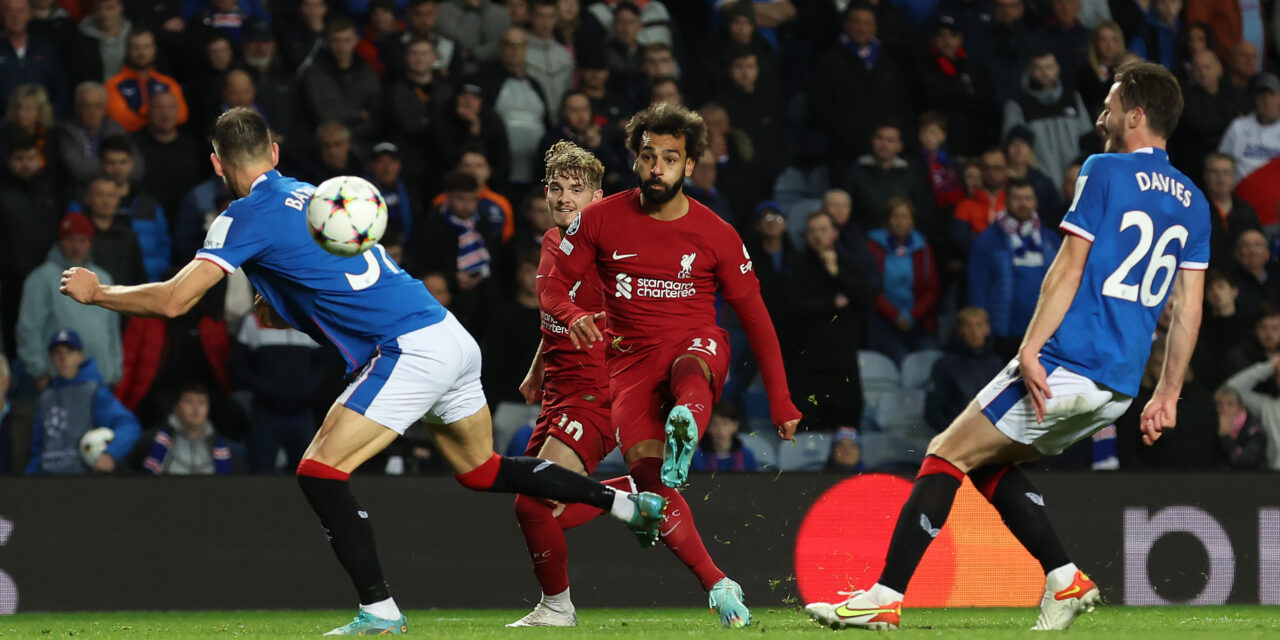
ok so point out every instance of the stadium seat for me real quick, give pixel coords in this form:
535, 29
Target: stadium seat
797, 212
508, 417
901, 412
878, 374
809, 452
613, 464
755, 408
891, 452
791, 186
917, 368
764, 447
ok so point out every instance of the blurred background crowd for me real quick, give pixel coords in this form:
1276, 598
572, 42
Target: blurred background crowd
897, 170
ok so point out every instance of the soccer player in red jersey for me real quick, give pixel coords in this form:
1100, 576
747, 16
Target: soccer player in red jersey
662, 257
573, 429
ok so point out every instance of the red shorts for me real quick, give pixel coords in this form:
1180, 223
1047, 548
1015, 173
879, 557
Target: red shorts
581, 421
640, 376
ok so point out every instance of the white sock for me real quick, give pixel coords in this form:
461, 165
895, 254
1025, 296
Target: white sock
1062, 577
386, 609
623, 508
559, 603
881, 594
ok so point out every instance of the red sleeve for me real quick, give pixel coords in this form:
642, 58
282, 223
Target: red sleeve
579, 245
553, 290
885, 309
734, 270
764, 344
926, 293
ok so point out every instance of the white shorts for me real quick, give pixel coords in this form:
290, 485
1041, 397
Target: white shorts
1078, 408
432, 372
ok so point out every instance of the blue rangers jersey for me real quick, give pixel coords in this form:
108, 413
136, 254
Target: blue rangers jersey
1146, 220
356, 303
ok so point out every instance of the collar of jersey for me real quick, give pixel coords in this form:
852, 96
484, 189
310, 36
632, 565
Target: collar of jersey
270, 175
1160, 153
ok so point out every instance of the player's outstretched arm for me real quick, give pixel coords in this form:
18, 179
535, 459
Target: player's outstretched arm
1056, 293
1162, 411
531, 386
168, 299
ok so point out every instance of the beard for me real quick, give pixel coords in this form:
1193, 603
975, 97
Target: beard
664, 194
1112, 141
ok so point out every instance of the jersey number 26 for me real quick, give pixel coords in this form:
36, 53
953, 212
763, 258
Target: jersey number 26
1114, 286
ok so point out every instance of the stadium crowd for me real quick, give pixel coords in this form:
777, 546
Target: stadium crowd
897, 171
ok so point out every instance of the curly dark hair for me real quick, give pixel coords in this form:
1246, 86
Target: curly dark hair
672, 120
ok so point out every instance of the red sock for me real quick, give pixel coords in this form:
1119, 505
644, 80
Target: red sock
545, 541
690, 387
576, 514
679, 533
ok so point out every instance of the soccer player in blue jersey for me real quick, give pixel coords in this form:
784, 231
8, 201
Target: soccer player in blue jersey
414, 358
1137, 235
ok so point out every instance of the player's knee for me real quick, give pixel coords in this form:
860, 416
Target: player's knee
647, 473
311, 468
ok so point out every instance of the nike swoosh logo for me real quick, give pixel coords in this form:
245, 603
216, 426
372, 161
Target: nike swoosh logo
1075, 588
620, 256
846, 612
671, 530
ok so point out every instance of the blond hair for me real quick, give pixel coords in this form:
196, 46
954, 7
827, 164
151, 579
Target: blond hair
44, 111
568, 159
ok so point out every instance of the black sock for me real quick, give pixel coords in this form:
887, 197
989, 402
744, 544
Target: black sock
539, 478
350, 534
1021, 507
921, 519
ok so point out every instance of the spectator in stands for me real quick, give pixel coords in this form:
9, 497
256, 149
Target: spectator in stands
712, 66
1053, 219
416, 106
721, 448
440, 288
421, 18
905, 318
176, 160
382, 29
1256, 275
108, 27
222, 17
837, 204
78, 53
1261, 345
281, 369
1259, 401
1064, 36
857, 67
882, 175
275, 85
402, 208
1157, 39
237, 90
846, 452
608, 107
735, 159
547, 61
934, 165
623, 52
654, 17
1019, 148
77, 401
577, 126
950, 82
1098, 73
1194, 445
1052, 111
1254, 140
199, 207
476, 26
666, 90
1211, 104
757, 113
28, 213
456, 240
29, 115
188, 444
79, 140
1231, 215
1007, 264
1221, 329
981, 208
702, 187
302, 38
1242, 65
129, 92
337, 156
517, 99
115, 245
773, 256
828, 297
1242, 438
1005, 50
967, 363
26, 58
472, 125
138, 209
341, 87
513, 333
491, 206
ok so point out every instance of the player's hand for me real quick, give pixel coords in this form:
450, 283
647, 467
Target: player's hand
80, 284
267, 316
104, 464
1037, 382
584, 333
787, 430
1160, 413
531, 386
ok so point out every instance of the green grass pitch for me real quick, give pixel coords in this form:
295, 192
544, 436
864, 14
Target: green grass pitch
1106, 622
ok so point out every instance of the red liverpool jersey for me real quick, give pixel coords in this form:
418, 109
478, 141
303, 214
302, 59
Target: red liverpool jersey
567, 369
660, 277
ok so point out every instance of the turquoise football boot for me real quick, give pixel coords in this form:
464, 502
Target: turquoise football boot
648, 517
677, 450
367, 624
725, 598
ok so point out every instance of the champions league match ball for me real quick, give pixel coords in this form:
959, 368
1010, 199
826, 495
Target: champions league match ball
93, 443
347, 215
